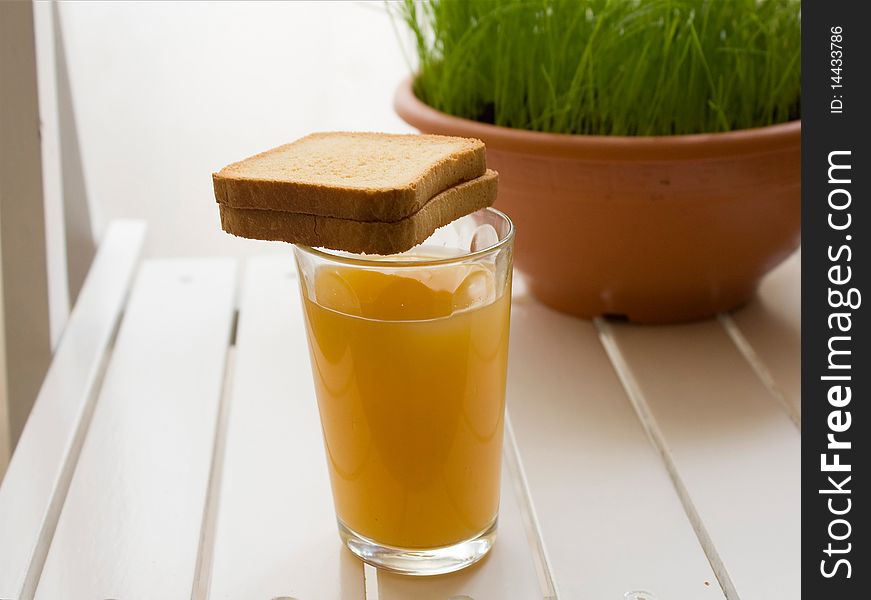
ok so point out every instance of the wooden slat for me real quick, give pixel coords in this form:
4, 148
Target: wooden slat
732, 450
276, 530
507, 574
38, 477
609, 516
768, 331
130, 525
25, 287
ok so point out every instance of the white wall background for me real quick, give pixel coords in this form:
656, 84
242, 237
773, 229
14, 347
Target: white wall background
165, 93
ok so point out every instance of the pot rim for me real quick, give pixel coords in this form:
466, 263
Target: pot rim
758, 140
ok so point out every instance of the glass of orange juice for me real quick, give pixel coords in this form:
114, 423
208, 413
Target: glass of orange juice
409, 354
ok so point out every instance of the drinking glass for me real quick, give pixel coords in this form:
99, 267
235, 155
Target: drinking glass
409, 354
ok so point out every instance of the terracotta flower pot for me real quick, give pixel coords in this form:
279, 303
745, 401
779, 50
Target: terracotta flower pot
658, 229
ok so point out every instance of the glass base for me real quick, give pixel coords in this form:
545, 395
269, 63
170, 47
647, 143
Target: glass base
420, 561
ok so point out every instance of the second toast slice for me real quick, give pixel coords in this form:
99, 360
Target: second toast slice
359, 176
360, 236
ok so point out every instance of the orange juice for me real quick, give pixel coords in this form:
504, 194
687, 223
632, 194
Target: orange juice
409, 368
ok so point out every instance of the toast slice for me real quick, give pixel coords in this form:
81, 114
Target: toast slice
359, 176
361, 236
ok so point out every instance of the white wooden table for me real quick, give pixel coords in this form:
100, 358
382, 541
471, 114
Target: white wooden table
179, 454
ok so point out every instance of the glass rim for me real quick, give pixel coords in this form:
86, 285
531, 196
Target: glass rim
358, 260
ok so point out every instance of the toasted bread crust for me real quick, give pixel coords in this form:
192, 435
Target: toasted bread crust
370, 237
255, 183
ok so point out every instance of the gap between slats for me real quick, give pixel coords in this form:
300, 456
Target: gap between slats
206, 551
758, 366
527, 512
49, 525
370, 582
636, 397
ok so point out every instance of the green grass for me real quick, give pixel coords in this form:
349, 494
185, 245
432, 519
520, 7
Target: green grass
609, 67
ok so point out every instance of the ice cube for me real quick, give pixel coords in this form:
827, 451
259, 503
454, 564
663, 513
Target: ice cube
477, 289
333, 292
484, 237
